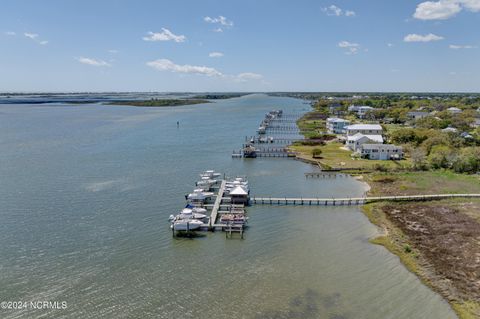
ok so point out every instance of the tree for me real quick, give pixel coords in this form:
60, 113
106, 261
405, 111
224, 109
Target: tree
316, 152
418, 156
439, 156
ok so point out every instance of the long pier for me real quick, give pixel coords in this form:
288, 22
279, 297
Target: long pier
352, 200
216, 205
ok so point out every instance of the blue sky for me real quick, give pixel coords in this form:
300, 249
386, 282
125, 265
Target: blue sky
248, 45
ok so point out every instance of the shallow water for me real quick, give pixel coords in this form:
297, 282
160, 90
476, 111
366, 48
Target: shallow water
86, 191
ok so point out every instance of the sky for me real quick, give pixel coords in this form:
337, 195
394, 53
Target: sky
247, 45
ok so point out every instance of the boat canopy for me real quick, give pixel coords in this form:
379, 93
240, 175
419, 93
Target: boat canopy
238, 191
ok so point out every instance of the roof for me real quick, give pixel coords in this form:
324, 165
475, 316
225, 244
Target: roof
374, 137
381, 146
364, 127
336, 119
418, 113
238, 191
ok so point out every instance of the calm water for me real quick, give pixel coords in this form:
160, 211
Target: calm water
86, 190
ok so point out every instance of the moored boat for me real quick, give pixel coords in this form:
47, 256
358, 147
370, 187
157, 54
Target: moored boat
186, 224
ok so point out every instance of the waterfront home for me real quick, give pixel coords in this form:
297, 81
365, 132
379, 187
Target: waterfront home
355, 141
365, 129
360, 110
336, 125
416, 115
381, 152
454, 110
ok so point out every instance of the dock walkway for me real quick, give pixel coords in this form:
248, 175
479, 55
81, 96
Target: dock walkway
352, 200
216, 205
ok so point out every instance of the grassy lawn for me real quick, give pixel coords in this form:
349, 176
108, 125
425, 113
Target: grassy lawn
335, 156
429, 182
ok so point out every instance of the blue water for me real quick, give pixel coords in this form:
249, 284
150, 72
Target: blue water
86, 190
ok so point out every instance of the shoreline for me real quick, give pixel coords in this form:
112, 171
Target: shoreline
396, 236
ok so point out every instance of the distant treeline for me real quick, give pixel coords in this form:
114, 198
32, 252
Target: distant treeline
219, 96
160, 102
366, 95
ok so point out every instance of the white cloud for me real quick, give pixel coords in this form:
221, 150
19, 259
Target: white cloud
215, 54
351, 48
333, 10
94, 62
444, 9
346, 44
243, 77
113, 51
219, 20
11, 33
218, 30
458, 47
32, 36
422, 38
165, 35
167, 65
35, 37
389, 45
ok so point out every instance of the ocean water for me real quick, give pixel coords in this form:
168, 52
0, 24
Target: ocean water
86, 191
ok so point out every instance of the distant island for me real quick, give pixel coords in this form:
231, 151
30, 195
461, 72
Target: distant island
197, 99
159, 102
215, 96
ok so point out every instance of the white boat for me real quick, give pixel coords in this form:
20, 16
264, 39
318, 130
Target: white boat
210, 174
199, 195
206, 181
186, 224
192, 213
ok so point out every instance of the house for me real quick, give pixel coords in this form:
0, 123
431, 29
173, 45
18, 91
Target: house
381, 151
476, 123
336, 125
450, 130
354, 142
361, 110
365, 129
454, 110
466, 135
417, 115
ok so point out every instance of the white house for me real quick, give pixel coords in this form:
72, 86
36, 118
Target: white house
454, 110
450, 130
336, 125
416, 115
355, 141
365, 129
381, 151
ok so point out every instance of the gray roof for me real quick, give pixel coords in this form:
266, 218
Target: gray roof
381, 146
418, 113
375, 137
364, 127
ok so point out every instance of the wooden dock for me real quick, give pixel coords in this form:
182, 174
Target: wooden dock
352, 200
326, 174
216, 205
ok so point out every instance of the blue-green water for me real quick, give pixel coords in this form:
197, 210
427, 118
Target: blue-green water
86, 190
